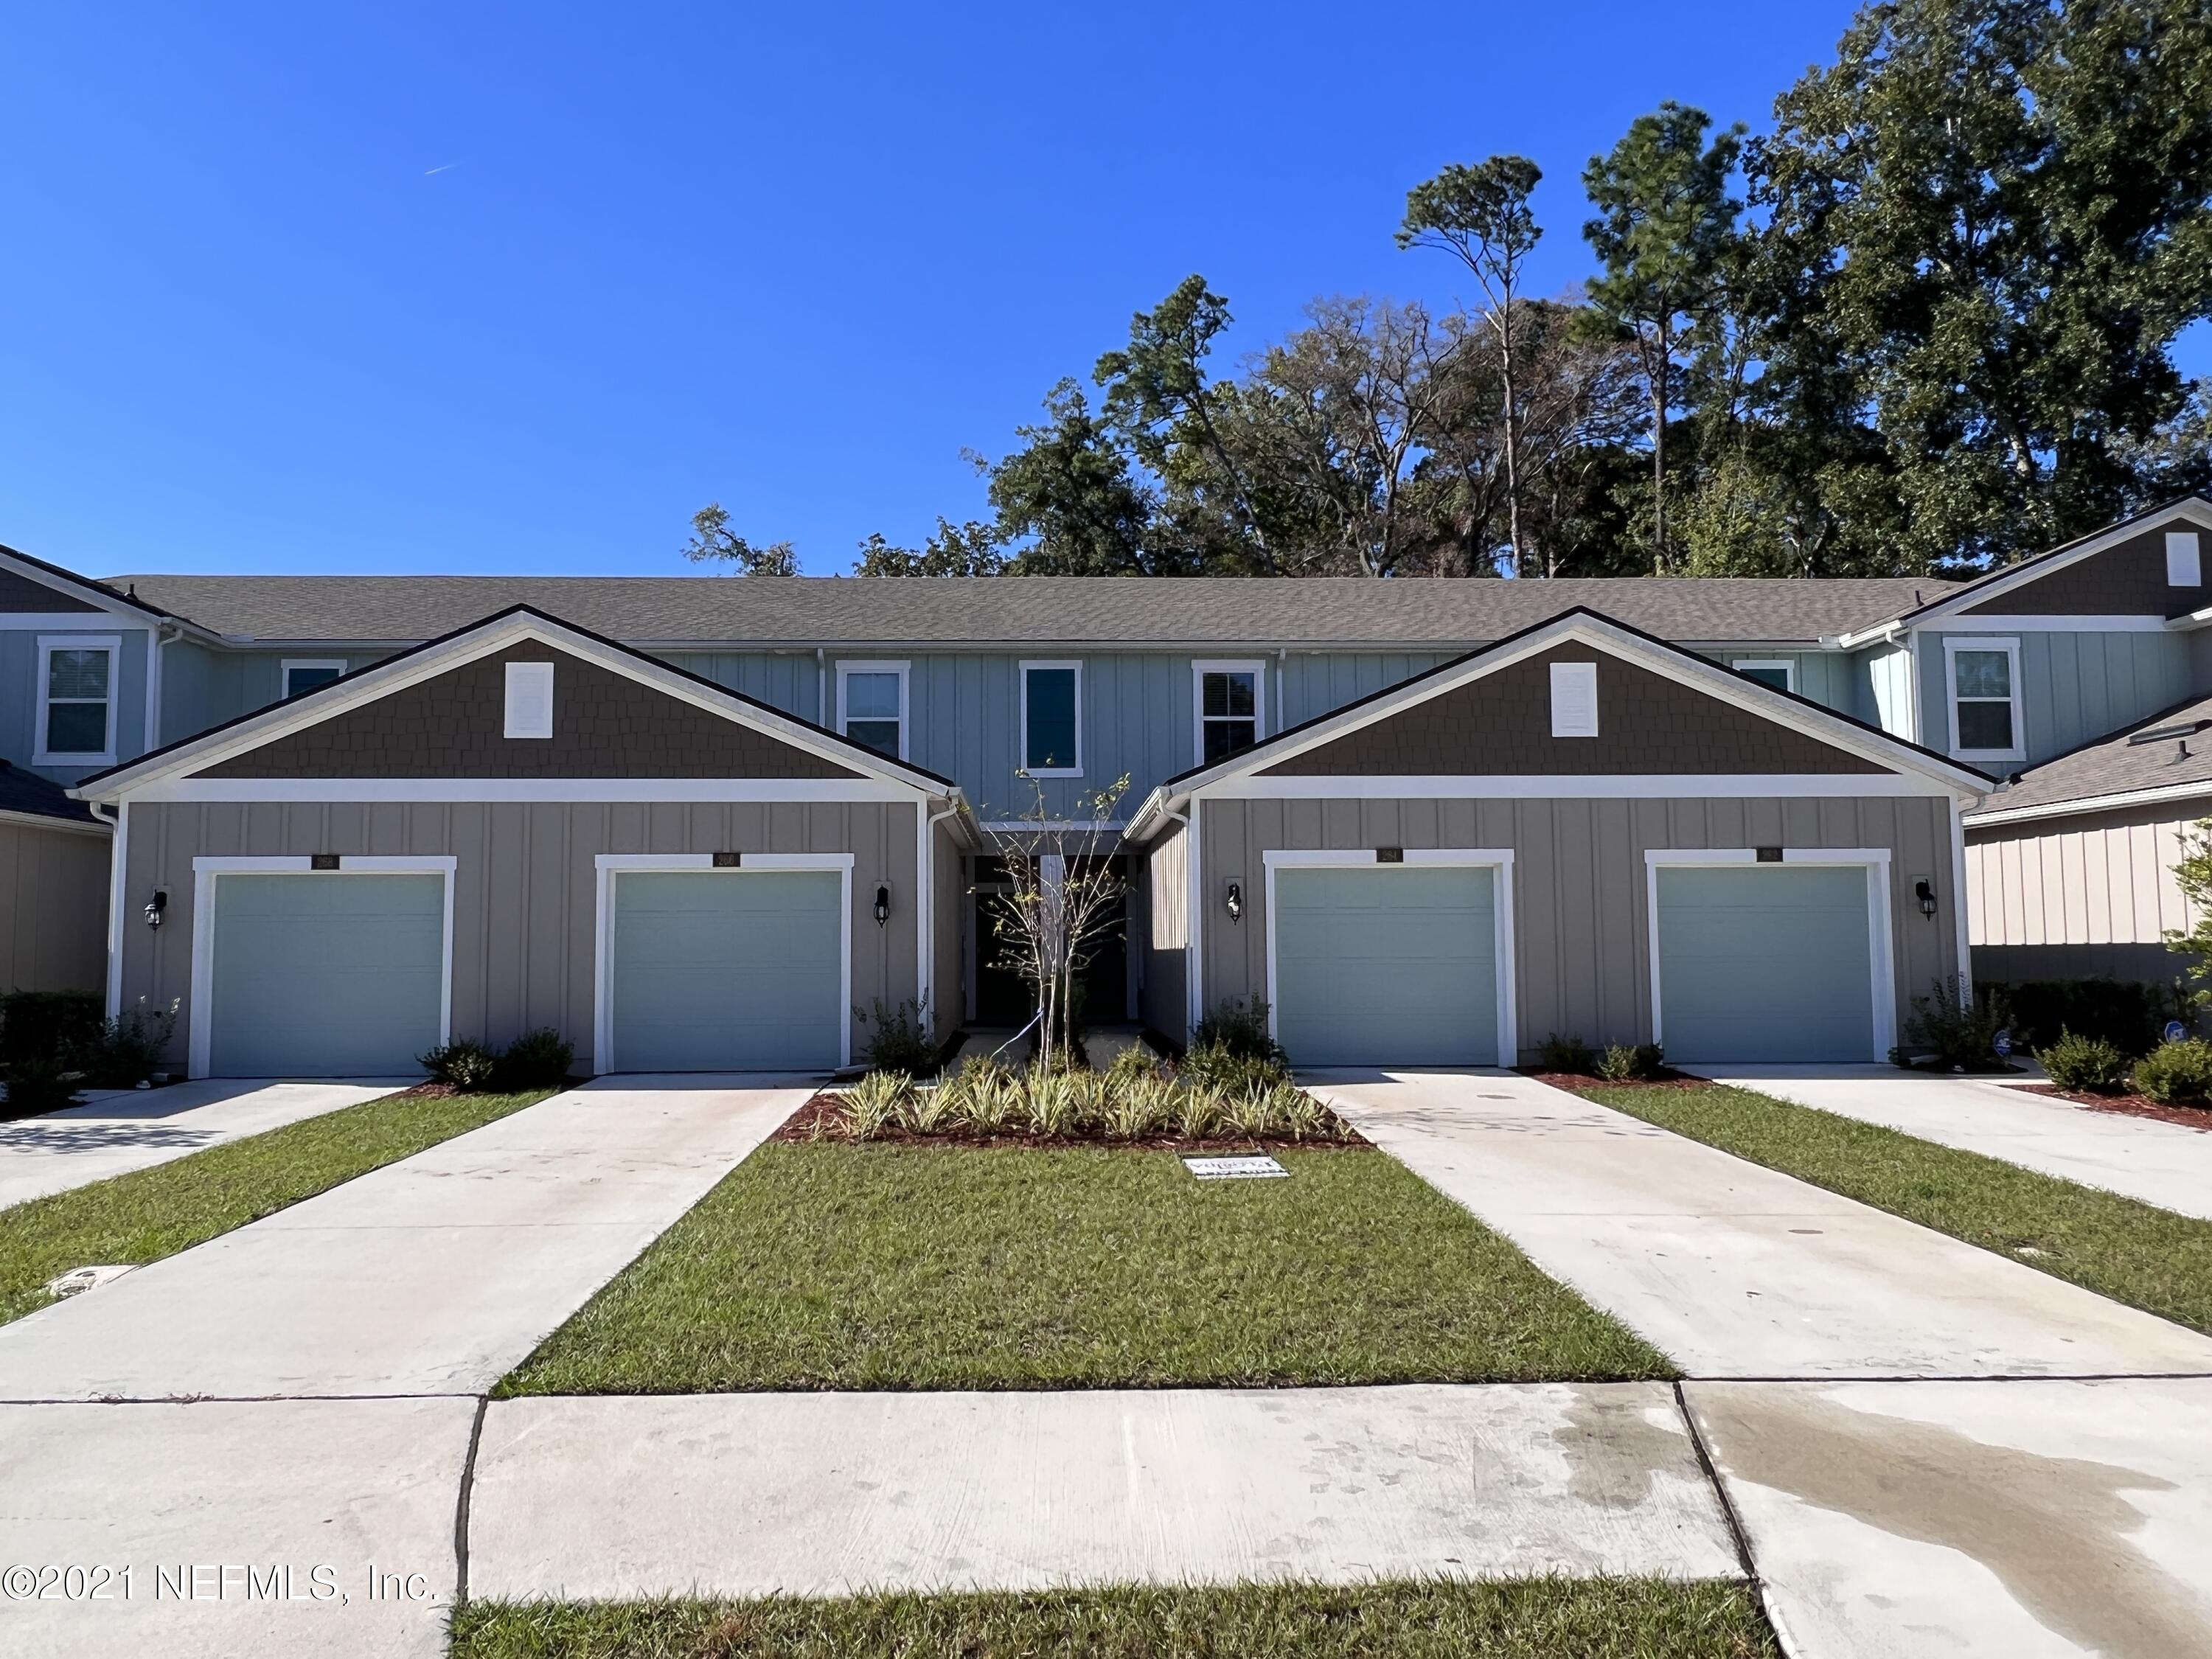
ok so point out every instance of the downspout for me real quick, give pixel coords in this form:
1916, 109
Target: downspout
1282, 658
1193, 889
925, 910
118, 856
1912, 685
822, 690
158, 636
1959, 918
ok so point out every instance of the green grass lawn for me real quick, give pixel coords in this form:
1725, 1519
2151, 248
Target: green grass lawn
150, 1213
2118, 1247
1532, 1618
828, 1266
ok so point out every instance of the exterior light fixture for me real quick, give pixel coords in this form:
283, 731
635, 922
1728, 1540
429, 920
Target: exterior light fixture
1236, 900
883, 906
155, 906
1926, 894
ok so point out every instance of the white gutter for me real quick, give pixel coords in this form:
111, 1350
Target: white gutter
119, 871
2067, 809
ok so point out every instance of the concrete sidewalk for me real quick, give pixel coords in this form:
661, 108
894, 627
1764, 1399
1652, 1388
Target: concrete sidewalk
828, 1493
1998, 1520
2163, 1163
432, 1275
1735, 1270
120, 1130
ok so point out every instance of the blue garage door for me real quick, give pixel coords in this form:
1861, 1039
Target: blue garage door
727, 970
325, 975
1765, 961
1386, 964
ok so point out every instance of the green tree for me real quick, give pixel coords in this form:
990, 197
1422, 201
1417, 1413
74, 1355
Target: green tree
964, 550
1071, 489
1664, 223
713, 540
1481, 213
1995, 216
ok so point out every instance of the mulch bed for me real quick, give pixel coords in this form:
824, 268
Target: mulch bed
823, 1118
1573, 1081
2189, 1117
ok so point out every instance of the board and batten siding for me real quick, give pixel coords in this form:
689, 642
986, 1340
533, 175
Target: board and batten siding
525, 888
2074, 687
2093, 893
19, 690
53, 908
1582, 947
1163, 995
1887, 673
201, 688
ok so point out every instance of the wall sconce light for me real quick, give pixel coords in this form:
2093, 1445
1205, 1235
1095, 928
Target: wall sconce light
155, 906
882, 905
1926, 894
1236, 900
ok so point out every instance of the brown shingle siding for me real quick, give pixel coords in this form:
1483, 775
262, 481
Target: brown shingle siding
605, 725
1501, 725
2126, 581
20, 593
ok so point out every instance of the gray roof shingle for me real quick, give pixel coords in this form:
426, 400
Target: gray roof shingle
809, 611
2116, 766
22, 791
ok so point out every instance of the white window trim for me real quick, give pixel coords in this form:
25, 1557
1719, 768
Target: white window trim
845, 668
1199, 669
2010, 647
1787, 665
1880, 950
1021, 763
207, 870
50, 643
1497, 858
607, 866
285, 667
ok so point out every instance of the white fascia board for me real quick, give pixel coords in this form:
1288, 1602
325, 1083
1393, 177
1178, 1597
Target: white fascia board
1587, 786
1715, 679
2067, 809
48, 821
816, 790
383, 679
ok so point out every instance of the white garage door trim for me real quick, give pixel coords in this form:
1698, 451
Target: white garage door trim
207, 870
609, 864
1881, 964
1498, 859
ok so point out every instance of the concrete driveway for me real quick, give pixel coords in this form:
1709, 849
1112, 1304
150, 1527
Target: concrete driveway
1733, 1269
119, 1130
2162, 1163
432, 1275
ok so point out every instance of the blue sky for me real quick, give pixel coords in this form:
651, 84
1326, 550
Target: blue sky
424, 289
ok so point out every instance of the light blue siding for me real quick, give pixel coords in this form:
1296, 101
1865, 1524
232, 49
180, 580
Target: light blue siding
1386, 964
201, 688
1828, 677
727, 970
1886, 672
325, 975
1316, 682
1765, 963
2074, 687
785, 680
18, 693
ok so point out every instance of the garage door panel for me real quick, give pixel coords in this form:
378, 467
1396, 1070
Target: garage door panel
325, 975
1386, 965
1765, 963
728, 970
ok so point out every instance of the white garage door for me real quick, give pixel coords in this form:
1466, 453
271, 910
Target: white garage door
1392, 964
726, 970
1766, 962
325, 974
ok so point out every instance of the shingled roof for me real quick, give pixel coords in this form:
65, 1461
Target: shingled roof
26, 792
2129, 762
809, 610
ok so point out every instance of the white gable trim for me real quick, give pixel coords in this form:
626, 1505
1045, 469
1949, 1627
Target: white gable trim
108, 610
383, 679
2192, 511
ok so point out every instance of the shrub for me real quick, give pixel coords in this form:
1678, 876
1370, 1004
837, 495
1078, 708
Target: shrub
536, 1059
1240, 1029
1200, 1111
1139, 1108
1134, 1064
873, 1104
465, 1066
2176, 1073
1641, 1064
899, 1040
1055, 1103
1960, 1026
1565, 1054
2128, 1015
124, 1051
39, 1085
48, 1025
2090, 1063
1217, 1065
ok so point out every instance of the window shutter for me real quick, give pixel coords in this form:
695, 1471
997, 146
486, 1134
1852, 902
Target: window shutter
1574, 699
530, 700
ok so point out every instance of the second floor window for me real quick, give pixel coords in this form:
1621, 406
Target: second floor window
1984, 715
305, 676
1229, 694
1052, 725
872, 705
76, 707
